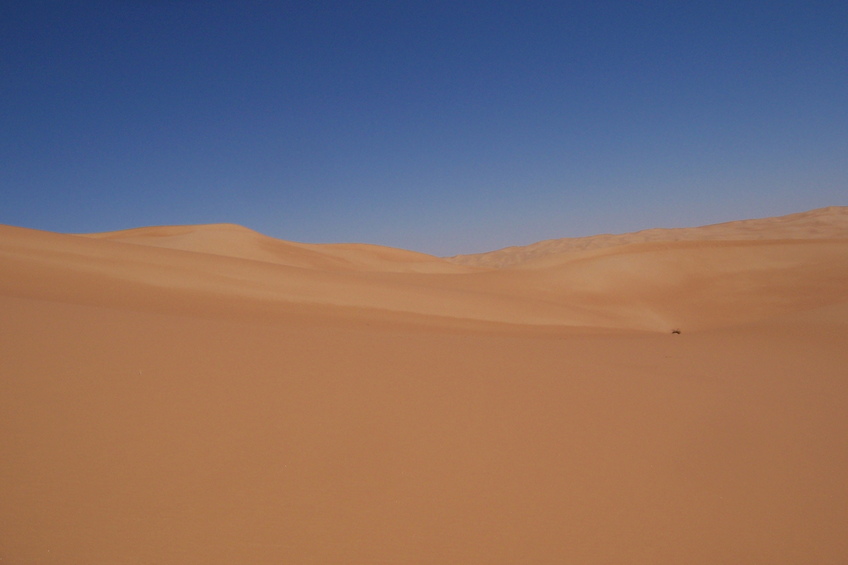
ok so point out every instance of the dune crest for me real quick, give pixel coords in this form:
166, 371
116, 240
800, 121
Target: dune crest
822, 223
231, 240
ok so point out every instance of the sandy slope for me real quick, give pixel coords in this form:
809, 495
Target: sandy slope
231, 240
205, 394
653, 286
824, 223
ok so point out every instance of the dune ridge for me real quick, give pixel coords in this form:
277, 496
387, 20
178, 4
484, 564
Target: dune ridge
822, 223
231, 240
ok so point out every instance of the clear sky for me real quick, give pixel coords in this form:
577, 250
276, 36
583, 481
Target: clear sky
439, 126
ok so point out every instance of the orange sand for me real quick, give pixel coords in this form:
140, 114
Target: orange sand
205, 394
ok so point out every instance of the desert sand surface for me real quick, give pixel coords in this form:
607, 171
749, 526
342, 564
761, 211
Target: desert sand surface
822, 223
207, 394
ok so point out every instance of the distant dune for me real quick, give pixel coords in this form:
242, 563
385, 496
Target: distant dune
823, 223
231, 240
211, 395
656, 280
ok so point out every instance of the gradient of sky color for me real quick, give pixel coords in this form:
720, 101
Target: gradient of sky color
440, 126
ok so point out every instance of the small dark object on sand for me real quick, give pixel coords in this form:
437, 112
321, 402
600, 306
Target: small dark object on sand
675, 332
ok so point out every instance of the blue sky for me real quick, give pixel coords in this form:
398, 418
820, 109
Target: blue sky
443, 127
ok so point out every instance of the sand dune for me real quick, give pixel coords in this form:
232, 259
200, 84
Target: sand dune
823, 223
206, 394
652, 286
699, 285
110, 273
231, 240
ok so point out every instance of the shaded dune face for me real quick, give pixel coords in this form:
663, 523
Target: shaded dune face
209, 395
